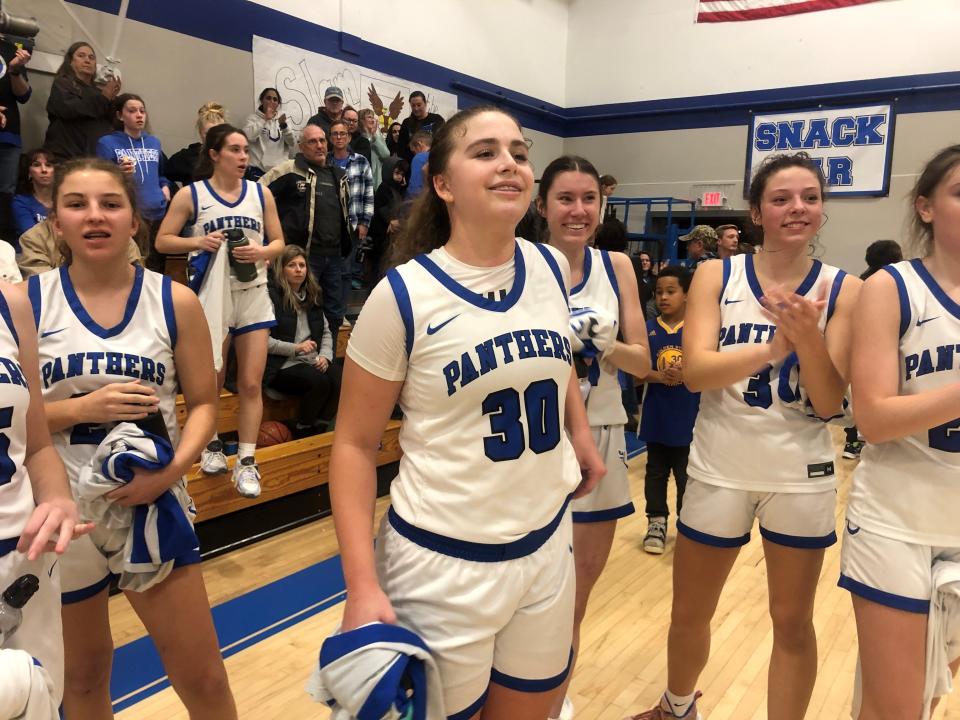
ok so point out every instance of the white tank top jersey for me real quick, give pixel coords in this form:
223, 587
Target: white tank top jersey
599, 289
909, 489
16, 493
485, 455
758, 434
211, 213
78, 356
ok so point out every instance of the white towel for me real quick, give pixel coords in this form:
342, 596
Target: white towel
943, 632
26, 690
210, 280
378, 671
141, 542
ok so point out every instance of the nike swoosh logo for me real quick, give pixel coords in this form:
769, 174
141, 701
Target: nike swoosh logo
852, 529
731, 302
48, 333
205, 207
431, 329
921, 322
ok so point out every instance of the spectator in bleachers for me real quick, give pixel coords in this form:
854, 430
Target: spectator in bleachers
387, 207
419, 120
332, 110
608, 186
14, 91
378, 147
34, 197
271, 138
307, 189
698, 240
728, 241
301, 347
880, 253
80, 112
393, 140
360, 209
140, 157
181, 168
358, 141
420, 147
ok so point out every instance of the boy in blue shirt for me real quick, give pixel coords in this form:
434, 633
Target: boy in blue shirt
669, 409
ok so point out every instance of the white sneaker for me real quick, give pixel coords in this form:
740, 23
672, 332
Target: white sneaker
246, 477
566, 712
212, 459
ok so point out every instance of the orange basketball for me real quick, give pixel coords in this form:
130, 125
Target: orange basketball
273, 432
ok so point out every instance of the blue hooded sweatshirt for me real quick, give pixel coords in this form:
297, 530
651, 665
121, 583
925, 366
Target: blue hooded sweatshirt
145, 150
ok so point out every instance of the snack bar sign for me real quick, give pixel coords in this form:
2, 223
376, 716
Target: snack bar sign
853, 145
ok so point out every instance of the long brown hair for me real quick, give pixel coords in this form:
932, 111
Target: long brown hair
311, 289
934, 173
428, 226
66, 67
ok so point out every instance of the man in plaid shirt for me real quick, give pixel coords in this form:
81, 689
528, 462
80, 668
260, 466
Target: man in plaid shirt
360, 184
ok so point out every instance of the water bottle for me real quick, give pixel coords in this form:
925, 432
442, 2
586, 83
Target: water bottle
245, 271
12, 602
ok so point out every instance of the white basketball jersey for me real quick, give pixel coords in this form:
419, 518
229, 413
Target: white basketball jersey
907, 488
758, 434
599, 289
211, 213
16, 493
485, 455
78, 356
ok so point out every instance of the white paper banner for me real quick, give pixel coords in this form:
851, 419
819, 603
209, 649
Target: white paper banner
302, 76
853, 145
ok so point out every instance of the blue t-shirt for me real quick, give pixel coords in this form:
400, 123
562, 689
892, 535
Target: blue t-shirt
342, 164
416, 174
669, 411
27, 212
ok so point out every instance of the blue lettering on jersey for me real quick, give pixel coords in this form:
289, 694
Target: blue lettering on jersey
746, 334
490, 354
11, 373
96, 363
232, 221
924, 362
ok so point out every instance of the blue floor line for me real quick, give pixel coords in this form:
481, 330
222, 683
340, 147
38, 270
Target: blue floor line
248, 619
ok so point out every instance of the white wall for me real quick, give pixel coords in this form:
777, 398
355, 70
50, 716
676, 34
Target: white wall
630, 50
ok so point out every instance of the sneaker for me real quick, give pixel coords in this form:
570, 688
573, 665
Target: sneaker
656, 538
566, 711
851, 451
663, 713
212, 459
246, 477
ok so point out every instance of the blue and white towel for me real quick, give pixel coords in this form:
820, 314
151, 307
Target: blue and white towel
943, 632
209, 275
378, 672
26, 690
141, 542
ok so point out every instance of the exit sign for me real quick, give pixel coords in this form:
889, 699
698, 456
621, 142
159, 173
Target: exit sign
711, 199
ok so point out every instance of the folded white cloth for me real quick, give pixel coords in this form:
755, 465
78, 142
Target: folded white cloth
943, 632
26, 690
378, 671
141, 542
593, 332
210, 280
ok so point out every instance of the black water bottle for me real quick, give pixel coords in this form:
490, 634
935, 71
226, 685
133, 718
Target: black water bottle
12, 602
245, 271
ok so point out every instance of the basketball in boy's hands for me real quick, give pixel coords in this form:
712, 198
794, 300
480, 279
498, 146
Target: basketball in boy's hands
273, 432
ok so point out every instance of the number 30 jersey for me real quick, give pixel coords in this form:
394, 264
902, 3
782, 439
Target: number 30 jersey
485, 455
78, 356
759, 434
909, 488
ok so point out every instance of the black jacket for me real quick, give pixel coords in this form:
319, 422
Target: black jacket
387, 201
79, 116
286, 329
181, 167
411, 126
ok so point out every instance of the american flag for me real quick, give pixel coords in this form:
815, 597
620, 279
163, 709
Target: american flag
731, 10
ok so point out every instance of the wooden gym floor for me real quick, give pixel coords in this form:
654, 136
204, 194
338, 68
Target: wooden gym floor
623, 656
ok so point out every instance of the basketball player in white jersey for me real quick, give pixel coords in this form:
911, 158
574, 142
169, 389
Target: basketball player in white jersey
903, 515
770, 362
569, 200
115, 342
37, 512
470, 337
223, 201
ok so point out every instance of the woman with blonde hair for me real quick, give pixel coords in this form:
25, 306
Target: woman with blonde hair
181, 168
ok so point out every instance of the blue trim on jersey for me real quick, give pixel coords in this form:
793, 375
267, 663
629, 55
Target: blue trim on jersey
881, 597
555, 269
403, 305
235, 203
255, 326
589, 516
835, 293
8, 319
484, 303
33, 292
166, 292
587, 267
754, 282
902, 296
191, 557
948, 303
8, 546
608, 266
531, 686
73, 300
799, 541
713, 540
196, 203
472, 709
726, 276
75, 596
474, 551
263, 206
